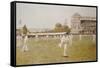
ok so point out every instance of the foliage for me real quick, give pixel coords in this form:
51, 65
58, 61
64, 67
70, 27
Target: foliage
24, 29
61, 28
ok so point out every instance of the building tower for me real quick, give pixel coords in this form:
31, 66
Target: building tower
75, 23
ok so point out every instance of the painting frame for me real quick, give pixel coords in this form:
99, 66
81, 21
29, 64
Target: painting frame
13, 32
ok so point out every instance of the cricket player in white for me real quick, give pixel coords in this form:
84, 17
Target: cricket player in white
19, 39
25, 39
65, 41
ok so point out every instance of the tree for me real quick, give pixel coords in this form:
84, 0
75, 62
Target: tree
24, 30
58, 27
66, 28
61, 28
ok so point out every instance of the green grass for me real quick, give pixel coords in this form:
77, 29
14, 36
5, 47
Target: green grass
47, 51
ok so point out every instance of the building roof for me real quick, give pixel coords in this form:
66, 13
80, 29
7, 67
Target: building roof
76, 15
88, 18
58, 33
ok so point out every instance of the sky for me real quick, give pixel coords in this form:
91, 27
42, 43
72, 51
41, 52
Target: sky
46, 16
